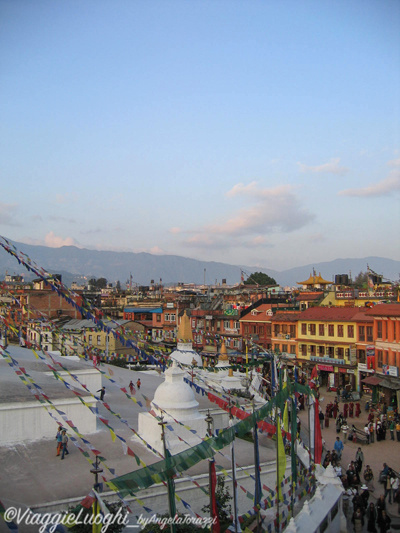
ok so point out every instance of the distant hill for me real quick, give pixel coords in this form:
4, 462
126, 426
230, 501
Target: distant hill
74, 262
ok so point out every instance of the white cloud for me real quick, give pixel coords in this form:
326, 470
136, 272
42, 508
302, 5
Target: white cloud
383, 188
332, 167
8, 215
271, 210
394, 163
54, 241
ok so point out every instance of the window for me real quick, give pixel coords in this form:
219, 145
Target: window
304, 329
361, 333
284, 347
380, 358
227, 324
236, 325
218, 325
339, 352
330, 351
331, 330
246, 329
370, 334
350, 331
340, 330
312, 329
303, 349
158, 318
292, 348
277, 329
321, 351
321, 330
379, 324
98, 340
90, 339
261, 331
292, 331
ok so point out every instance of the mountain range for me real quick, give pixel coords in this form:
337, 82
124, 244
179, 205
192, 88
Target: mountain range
74, 263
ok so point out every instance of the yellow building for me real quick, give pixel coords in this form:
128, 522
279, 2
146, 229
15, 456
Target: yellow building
327, 338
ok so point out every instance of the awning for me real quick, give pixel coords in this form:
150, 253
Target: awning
389, 384
371, 380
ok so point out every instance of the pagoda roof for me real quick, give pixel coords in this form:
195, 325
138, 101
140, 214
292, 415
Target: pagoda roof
315, 280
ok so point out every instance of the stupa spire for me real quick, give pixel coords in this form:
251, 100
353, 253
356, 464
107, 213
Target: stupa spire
185, 334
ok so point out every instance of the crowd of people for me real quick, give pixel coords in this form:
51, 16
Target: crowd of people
357, 482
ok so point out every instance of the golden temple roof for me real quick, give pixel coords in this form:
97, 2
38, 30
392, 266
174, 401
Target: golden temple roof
315, 280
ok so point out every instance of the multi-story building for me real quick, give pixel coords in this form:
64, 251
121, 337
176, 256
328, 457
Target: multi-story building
327, 338
284, 333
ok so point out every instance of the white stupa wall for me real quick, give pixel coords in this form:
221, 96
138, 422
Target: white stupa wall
91, 378
29, 421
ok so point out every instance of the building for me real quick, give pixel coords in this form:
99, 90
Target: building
327, 338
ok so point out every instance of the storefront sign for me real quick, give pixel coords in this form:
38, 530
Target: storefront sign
326, 368
388, 370
362, 367
370, 350
353, 355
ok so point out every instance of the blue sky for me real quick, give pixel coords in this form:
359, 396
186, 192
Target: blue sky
257, 133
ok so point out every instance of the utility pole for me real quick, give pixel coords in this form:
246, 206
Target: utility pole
170, 482
235, 502
96, 471
257, 494
209, 421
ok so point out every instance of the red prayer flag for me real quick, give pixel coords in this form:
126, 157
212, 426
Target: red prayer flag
215, 527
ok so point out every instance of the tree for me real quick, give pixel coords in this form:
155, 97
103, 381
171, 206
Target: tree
361, 281
259, 278
100, 283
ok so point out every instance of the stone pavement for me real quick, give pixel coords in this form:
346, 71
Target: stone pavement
375, 454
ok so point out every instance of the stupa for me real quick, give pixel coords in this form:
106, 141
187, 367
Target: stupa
184, 353
223, 361
173, 400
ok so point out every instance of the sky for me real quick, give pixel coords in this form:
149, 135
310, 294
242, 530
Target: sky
261, 133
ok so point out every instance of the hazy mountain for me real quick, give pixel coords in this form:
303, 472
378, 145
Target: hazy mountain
74, 262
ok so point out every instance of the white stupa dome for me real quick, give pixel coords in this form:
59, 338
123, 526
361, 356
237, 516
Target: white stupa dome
175, 397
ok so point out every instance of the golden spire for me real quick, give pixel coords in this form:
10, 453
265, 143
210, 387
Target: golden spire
185, 334
223, 354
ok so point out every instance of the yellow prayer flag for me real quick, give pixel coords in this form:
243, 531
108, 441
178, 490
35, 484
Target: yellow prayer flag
281, 462
286, 418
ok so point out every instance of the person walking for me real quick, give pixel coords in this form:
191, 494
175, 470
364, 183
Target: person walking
371, 517
388, 485
398, 429
358, 520
366, 431
102, 393
380, 509
321, 419
138, 383
59, 440
392, 428
371, 432
131, 387
359, 460
64, 440
338, 447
